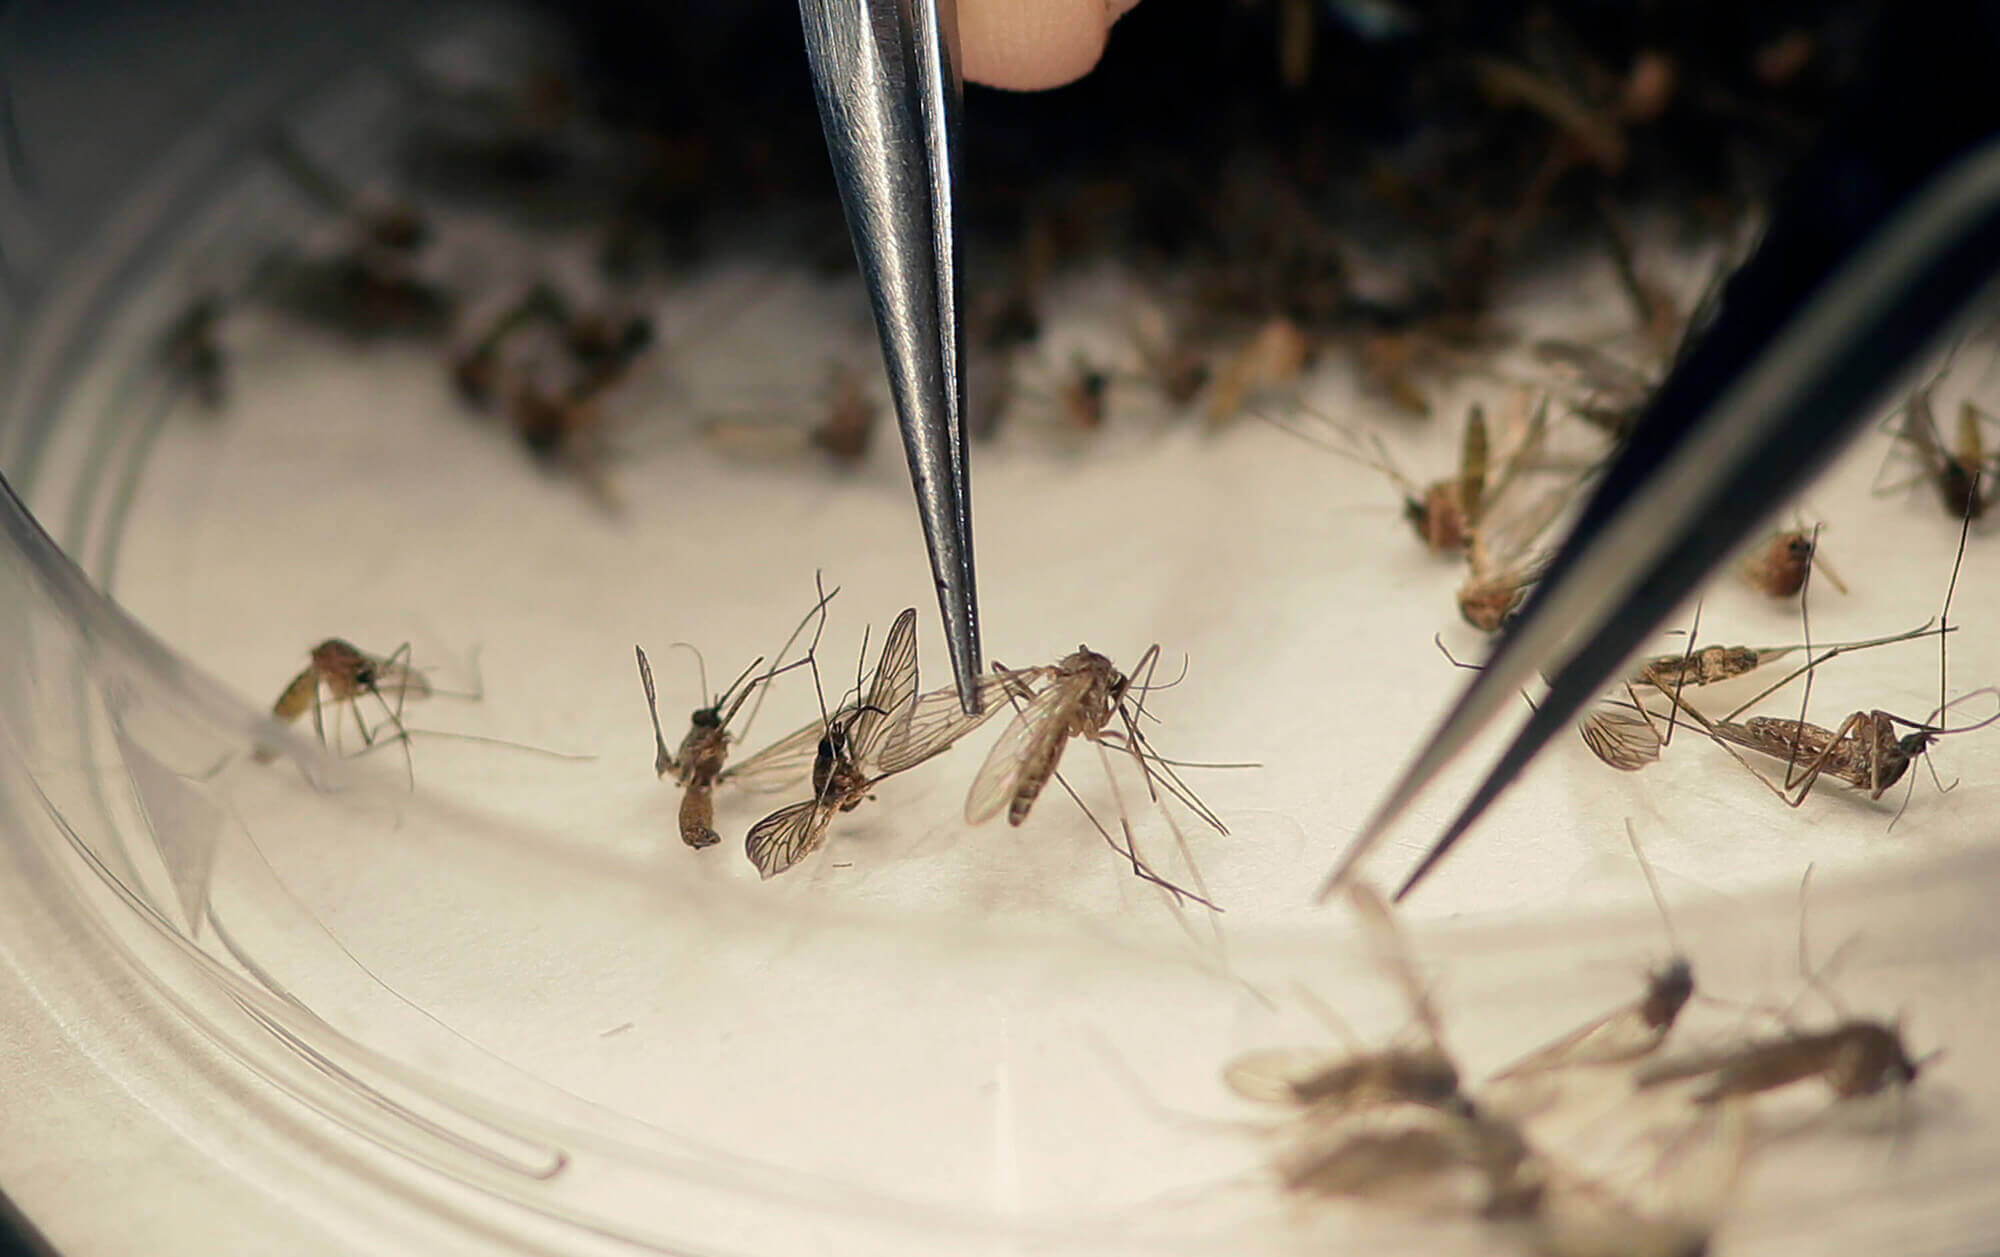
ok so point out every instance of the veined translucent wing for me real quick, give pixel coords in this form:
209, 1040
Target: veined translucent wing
936, 721
1027, 742
893, 693
788, 835
1623, 739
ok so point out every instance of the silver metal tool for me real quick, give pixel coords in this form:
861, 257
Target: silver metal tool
886, 74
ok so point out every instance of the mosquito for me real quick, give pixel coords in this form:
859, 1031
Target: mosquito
844, 432
1416, 1152
856, 747
1633, 1030
190, 350
1272, 358
1855, 1058
1778, 564
700, 764
1954, 470
341, 674
372, 287
1080, 697
1309, 1079
1867, 751
1501, 567
1627, 736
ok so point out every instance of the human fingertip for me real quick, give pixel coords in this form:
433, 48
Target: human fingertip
1030, 45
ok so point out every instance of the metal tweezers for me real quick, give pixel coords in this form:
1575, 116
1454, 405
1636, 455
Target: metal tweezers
886, 74
1880, 244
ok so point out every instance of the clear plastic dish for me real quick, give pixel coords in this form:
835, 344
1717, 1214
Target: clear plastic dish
504, 1008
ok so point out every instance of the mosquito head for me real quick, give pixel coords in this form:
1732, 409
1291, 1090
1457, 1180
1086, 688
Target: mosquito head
706, 718
1667, 991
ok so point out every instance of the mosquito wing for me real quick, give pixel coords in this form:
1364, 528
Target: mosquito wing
1625, 740
298, 696
788, 835
893, 694
786, 762
1271, 1075
1620, 1035
937, 721
1029, 741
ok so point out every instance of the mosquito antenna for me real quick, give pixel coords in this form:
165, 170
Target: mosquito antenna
701, 669
1653, 885
662, 760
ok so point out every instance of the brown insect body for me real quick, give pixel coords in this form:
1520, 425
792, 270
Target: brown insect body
1865, 751
1856, 1058
1081, 696
1422, 1075
341, 673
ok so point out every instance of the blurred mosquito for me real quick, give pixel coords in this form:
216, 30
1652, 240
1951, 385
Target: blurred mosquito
1779, 563
855, 747
844, 432
1502, 565
1272, 358
1857, 1057
1954, 469
373, 286
191, 352
1310, 1079
700, 764
1080, 697
1440, 1159
1634, 1030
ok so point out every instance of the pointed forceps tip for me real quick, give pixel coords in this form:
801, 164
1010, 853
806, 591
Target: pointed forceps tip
886, 76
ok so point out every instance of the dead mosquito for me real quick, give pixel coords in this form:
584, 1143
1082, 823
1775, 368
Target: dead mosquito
1855, 1058
1502, 566
1311, 1079
1953, 469
1081, 697
341, 674
373, 286
1438, 1159
843, 433
1629, 1032
1626, 735
1779, 563
700, 764
1867, 751
1271, 358
856, 747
